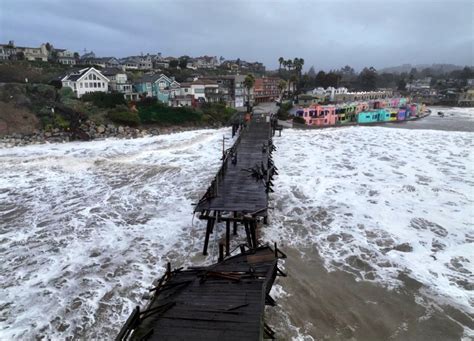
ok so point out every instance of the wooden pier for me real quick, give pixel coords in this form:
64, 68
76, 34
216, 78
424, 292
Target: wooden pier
238, 195
226, 300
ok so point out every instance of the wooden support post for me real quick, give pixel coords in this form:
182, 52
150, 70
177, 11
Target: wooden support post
235, 224
227, 238
221, 252
247, 232
253, 231
208, 232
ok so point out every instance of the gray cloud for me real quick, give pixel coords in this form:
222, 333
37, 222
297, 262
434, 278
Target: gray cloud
327, 34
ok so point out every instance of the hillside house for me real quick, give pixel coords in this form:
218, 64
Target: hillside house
85, 81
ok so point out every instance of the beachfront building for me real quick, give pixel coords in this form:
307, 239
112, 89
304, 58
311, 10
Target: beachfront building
318, 115
85, 81
266, 89
380, 110
159, 86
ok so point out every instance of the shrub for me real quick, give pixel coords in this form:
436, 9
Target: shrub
283, 110
298, 119
66, 92
162, 114
124, 117
218, 112
104, 100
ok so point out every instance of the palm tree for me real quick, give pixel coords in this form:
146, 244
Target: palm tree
281, 87
289, 64
280, 60
248, 84
298, 62
291, 81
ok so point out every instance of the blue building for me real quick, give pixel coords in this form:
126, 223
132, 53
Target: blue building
158, 86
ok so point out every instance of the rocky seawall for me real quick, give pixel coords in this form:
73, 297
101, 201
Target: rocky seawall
88, 131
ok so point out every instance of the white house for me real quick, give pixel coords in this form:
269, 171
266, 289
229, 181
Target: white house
65, 57
85, 81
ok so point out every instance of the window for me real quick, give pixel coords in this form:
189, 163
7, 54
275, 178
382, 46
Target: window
90, 85
103, 84
80, 85
95, 85
90, 77
86, 84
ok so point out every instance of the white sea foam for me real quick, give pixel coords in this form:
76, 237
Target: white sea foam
377, 202
86, 227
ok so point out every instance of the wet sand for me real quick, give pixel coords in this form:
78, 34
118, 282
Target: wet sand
334, 306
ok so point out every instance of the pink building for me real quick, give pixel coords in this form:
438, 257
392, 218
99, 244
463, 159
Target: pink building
318, 115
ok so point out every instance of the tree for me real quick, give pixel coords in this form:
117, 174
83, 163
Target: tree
311, 73
281, 86
413, 74
49, 47
402, 85
280, 60
20, 55
183, 62
291, 82
76, 55
332, 79
174, 63
368, 79
320, 79
249, 82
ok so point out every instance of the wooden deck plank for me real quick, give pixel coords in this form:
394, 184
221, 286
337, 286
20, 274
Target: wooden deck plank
212, 308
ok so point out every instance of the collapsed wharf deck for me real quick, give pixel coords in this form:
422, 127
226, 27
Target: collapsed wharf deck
239, 192
223, 301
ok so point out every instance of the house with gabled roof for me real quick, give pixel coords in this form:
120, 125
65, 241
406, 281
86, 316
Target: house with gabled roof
159, 86
85, 81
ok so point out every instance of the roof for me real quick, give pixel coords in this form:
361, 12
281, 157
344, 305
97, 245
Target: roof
111, 71
152, 78
78, 74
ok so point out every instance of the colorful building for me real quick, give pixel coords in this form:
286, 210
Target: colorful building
319, 115
158, 86
380, 110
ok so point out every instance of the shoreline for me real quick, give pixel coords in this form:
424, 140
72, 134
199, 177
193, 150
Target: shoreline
101, 133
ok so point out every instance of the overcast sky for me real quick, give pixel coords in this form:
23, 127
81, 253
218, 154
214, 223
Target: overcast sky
327, 34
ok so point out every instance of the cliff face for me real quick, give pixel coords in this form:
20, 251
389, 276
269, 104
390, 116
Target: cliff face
17, 119
20, 105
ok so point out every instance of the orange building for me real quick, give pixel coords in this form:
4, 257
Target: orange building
266, 89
